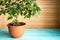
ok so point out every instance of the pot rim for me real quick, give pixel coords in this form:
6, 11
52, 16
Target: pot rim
16, 25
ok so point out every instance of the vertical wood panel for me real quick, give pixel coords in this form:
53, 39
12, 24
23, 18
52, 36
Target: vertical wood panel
59, 13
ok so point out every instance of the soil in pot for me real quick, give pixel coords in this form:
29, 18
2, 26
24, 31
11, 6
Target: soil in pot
16, 31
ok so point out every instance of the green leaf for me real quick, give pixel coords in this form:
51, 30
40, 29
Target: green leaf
9, 1
0, 12
1, 2
38, 9
10, 17
13, 3
28, 15
18, 6
7, 5
17, 0
5, 1
25, 13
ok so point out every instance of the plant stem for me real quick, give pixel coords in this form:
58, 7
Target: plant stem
16, 20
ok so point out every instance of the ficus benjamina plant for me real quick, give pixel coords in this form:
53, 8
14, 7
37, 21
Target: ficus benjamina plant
14, 8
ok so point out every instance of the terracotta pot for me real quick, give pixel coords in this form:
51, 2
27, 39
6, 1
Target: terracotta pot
16, 31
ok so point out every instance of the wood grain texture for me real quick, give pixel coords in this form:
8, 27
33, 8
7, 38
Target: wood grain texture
59, 13
48, 17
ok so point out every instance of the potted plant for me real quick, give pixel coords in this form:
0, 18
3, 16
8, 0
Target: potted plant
14, 8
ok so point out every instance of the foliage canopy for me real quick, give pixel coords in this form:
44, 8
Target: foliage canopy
26, 8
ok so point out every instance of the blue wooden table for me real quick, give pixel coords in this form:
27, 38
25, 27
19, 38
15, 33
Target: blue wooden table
33, 34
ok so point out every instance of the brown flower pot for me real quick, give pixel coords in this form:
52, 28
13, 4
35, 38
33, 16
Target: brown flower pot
16, 31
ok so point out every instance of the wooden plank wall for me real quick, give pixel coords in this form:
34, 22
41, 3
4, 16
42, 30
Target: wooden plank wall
48, 17
59, 12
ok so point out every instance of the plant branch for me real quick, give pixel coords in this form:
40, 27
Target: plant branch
16, 20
